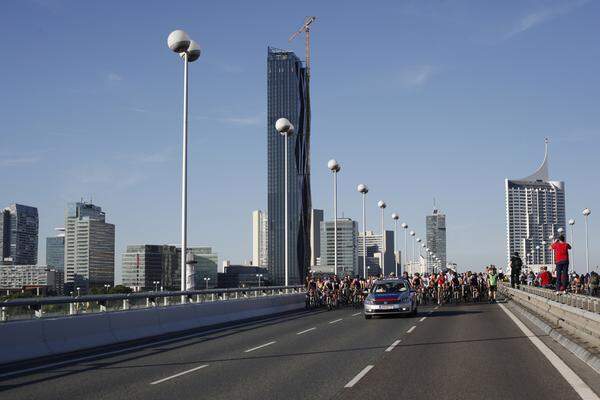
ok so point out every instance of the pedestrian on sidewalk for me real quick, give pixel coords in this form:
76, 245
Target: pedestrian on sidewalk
515, 270
561, 258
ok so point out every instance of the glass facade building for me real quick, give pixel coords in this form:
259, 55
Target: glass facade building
19, 227
435, 226
145, 264
347, 247
288, 97
206, 266
55, 250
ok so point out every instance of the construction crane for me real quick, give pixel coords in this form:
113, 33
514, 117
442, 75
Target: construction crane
306, 29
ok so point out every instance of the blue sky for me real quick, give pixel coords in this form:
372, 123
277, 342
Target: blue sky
417, 99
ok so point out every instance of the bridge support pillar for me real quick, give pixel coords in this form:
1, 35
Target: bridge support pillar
125, 304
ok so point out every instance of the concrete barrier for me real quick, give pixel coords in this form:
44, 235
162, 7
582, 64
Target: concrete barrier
24, 340
576, 321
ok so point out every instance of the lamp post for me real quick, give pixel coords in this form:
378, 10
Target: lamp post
156, 283
395, 217
259, 276
586, 214
334, 167
544, 252
381, 204
412, 234
572, 240
362, 189
107, 287
206, 279
189, 51
78, 290
286, 129
405, 227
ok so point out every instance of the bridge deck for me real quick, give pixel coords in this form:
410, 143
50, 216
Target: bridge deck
471, 351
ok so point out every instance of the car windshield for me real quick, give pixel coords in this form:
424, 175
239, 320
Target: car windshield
390, 287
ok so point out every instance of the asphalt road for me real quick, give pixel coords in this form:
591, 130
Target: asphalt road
451, 352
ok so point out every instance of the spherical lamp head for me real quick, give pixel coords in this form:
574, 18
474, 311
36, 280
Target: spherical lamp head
178, 41
571, 221
333, 165
283, 126
587, 211
381, 204
362, 189
560, 230
404, 225
418, 240
423, 245
395, 216
193, 51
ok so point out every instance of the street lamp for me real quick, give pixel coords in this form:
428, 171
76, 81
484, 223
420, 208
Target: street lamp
362, 189
286, 129
107, 287
189, 51
259, 276
412, 233
381, 204
156, 283
572, 240
405, 227
395, 217
586, 214
206, 279
334, 167
78, 290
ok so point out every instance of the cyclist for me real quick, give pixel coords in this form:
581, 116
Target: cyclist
441, 283
492, 282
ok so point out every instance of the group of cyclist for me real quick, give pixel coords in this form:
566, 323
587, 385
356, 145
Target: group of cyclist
430, 288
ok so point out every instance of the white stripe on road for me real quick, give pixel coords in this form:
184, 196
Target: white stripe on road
358, 313
412, 328
306, 330
396, 343
259, 347
358, 377
422, 319
179, 374
335, 320
570, 376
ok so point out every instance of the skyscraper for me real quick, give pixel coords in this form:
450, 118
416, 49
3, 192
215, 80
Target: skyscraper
260, 239
55, 250
315, 236
535, 210
89, 247
375, 246
287, 97
435, 226
19, 226
206, 266
347, 247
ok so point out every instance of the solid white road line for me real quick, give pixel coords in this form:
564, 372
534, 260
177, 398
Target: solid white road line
179, 374
412, 328
306, 330
335, 320
396, 343
358, 313
582, 389
358, 377
422, 319
260, 347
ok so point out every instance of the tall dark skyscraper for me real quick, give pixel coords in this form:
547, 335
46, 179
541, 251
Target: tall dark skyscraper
19, 226
288, 97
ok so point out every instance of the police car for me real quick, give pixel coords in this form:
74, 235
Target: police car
390, 296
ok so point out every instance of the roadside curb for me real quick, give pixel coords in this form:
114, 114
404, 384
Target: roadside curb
579, 351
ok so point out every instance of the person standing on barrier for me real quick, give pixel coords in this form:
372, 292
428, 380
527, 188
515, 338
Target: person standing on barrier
561, 258
515, 269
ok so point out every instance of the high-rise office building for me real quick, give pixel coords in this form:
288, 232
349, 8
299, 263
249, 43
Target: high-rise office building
347, 247
287, 97
55, 250
377, 251
260, 239
535, 210
37, 278
145, 264
89, 247
207, 262
435, 227
315, 236
19, 226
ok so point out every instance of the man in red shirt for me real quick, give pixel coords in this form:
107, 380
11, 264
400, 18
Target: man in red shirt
561, 258
544, 277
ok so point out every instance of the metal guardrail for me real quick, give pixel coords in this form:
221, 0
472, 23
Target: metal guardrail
581, 301
40, 307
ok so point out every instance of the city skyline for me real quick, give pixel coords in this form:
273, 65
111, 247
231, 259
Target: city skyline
136, 137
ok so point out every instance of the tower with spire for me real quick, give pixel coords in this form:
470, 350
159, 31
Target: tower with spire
535, 211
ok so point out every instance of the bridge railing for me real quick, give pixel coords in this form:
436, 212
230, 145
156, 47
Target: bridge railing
581, 301
47, 307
